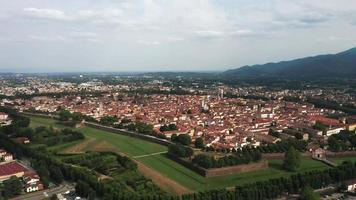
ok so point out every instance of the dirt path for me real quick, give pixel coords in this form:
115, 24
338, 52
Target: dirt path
163, 182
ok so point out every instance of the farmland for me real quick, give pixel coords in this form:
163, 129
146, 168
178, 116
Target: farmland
176, 174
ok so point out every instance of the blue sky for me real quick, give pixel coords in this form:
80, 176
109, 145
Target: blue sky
168, 35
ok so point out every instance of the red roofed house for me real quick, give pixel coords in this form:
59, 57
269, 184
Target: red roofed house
11, 169
32, 182
22, 140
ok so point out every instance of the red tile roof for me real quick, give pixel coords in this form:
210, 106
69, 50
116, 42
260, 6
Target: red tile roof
11, 168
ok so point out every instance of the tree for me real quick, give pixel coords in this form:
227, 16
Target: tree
180, 151
12, 187
308, 194
82, 189
174, 137
292, 160
77, 116
56, 174
108, 120
64, 115
199, 143
184, 139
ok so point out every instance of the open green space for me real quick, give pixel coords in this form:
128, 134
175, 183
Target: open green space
136, 147
341, 160
128, 145
194, 181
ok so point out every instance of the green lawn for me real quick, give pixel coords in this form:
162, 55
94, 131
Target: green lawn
340, 160
128, 145
194, 181
135, 147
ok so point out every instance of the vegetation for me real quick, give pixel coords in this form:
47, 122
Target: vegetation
65, 116
50, 168
207, 161
199, 143
135, 147
170, 127
180, 151
11, 187
50, 136
183, 139
273, 188
108, 120
105, 163
292, 160
344, 141
308, 194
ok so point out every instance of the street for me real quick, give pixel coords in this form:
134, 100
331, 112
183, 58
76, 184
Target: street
39, 195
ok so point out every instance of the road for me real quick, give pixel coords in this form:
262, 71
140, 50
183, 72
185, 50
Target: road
39, 195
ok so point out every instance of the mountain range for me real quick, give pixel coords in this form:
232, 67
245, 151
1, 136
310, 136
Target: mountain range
340, 65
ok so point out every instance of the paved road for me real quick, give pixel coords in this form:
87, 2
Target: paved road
44, 193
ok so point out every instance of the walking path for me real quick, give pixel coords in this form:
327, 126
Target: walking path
152, 154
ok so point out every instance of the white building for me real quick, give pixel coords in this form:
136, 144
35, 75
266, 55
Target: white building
333, 131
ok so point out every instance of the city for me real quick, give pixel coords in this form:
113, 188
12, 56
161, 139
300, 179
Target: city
178, 100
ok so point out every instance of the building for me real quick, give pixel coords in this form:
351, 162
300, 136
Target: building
22, 140
333, 131
351, 185
351, 127
32, 182
319, 153
9, 169
3, 116
7, 157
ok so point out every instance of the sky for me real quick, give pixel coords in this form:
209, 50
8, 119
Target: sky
168, 35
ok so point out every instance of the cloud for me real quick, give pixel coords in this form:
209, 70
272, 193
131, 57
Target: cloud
71, 36
148, 42
50, 14
226, 34
53, 38
209, 34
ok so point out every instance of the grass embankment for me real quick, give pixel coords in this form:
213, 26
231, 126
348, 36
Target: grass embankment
103, 140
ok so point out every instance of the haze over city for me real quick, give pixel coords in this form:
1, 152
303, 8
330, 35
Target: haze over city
174, 35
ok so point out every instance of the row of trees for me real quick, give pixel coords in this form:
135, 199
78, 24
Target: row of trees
344, 141
207, 161
169, 127
183, 139
51, 168
65, 116
274, 188
180, 151
104, 163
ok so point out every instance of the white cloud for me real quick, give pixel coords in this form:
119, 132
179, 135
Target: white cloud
50, 14
148, 42
191, 33
53, 38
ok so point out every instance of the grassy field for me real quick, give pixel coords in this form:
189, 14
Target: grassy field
128, 145
135, 147
196, 182
340, 160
